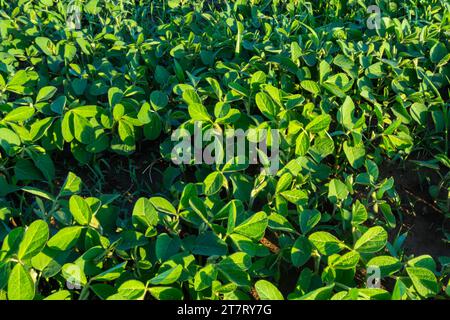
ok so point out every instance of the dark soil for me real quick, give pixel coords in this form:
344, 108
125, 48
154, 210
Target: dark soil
423, 220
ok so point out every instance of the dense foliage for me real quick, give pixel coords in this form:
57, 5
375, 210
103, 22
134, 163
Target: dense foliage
98, 101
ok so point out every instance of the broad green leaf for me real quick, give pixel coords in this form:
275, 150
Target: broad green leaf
347, 261
302, 144
166, 293
34, 240
163, 205
254, 227
234, 267
204, 277
209, 244
115, 95
9, 141
144, 214
71, 185
266, 105
295, 196
46, 93
438, 52
424, 281
158, 100
388, 265
337, 190
355, 154
301, 251
167, 277
345, 114
359, 213
267, 291
80, 210
132, 290
214, 182
198, 112
59, 295
19, 114
74, 275
310, 86
319, 123
309, 219
20, 284
112, 273
323, 293
65, 238
373, 240
326, 243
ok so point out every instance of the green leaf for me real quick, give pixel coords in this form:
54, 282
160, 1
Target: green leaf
346, 261
375, 71
71, 185
166, 246
39, 193
309, 219
266, 105
326, 243
345, 114
34, 240
302, 144
158, 100
80, 210
310, 86
198, 112
424, 261
168, 276
115, 95
279, 222
301, 251
9, 141
214, 182
424, 281
337, 190
162, 205
234, 268
355, 154
438, 52
73, 274
144, 214
132, 290
65, 238
112, 273
204, 277
323, 293
388, 265
166, 293
19, 114
373, 240
419, 113
59, 295
295, 196
46, 93
82, 129
359, 213
209, 244
254, 227
319, 123
20, 284
267, 291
